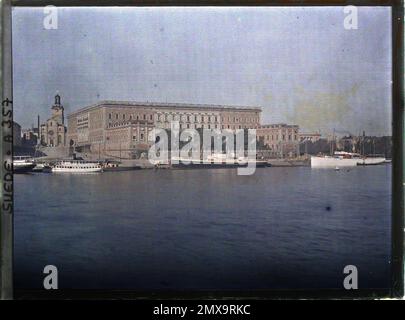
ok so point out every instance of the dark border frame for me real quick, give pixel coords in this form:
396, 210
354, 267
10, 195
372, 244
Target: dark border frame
397, 217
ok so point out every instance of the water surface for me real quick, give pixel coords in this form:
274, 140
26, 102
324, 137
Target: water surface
204, 229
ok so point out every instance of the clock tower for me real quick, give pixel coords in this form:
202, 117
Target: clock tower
53, 132
58, 111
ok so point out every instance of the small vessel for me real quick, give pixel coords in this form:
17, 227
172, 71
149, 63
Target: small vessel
39, 167
345, 159
372, 160
112, 166
339, 159
76, 166
23, 164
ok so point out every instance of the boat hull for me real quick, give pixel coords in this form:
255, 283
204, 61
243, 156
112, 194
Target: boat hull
76, 170
332, 162
114, 169
371, 161
23, 168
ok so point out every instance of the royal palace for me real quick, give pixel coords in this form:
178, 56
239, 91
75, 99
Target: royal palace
113, 128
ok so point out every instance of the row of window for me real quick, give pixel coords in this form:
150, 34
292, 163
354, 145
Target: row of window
131, 117
142, 135
235, 119
209, 126
283, 137
188, 118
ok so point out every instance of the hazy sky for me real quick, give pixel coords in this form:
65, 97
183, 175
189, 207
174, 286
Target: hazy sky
299, 64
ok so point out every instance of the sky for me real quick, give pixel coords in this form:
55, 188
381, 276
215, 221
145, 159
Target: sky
299, 64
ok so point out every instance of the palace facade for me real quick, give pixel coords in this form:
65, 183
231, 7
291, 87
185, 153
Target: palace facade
113, 128
282, 139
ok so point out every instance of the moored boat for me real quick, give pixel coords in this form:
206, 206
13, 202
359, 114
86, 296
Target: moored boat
369, 161
344, 159
338, 160
113, 166
23, 164
76, 166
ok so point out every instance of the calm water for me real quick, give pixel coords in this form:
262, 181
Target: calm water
204, 229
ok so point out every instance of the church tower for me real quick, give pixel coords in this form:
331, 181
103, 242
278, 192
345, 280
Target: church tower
58, 111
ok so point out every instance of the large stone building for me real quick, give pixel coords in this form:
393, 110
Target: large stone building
310, 137
114, 128
16, 134
53, 131
30, 136
282, 139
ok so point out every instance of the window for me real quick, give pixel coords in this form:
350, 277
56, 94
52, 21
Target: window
123, 116
151, 117
116, 116
144, 117
142, 136
109, 116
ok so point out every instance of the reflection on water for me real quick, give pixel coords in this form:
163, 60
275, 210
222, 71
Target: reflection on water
204, 229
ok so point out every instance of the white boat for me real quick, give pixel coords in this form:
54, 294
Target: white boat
76, 166
39, 167
332, 162
344, 159
23, 164
368, 161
